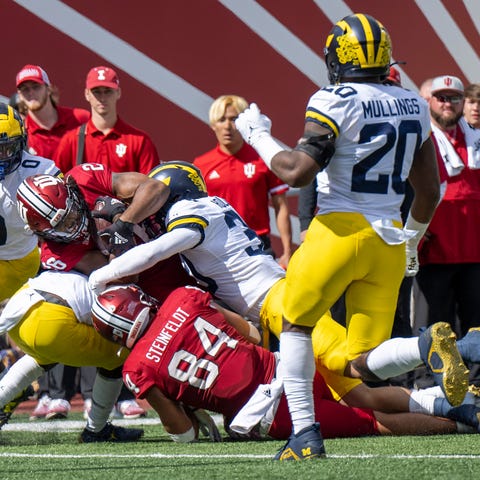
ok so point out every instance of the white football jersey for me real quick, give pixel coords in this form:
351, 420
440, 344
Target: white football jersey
71, 286
15, 242
229, 260
378, 129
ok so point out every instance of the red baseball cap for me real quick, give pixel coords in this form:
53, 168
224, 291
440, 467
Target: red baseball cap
102, 77
32, 73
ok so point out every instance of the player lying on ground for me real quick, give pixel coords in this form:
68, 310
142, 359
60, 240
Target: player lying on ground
184, 352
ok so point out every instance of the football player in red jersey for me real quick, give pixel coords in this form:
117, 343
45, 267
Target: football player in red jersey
188, 350
59, 212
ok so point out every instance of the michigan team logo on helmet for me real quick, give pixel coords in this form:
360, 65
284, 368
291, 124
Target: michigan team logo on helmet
358, 46
13, 140
184, 180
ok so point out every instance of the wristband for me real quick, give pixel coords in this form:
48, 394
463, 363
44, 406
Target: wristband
267, 148
187, 437
416, 229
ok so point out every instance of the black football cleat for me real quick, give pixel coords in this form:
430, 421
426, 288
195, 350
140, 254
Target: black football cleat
111, 433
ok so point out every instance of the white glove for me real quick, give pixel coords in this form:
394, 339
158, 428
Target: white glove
253, 125
255, 130
412, 261
95, 282
207, 425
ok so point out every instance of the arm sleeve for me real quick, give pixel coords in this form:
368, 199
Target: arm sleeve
307, 203
144, 256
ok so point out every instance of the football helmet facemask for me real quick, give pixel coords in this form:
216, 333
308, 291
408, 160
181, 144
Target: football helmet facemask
13, 140
54, 208
122, 313
357, 46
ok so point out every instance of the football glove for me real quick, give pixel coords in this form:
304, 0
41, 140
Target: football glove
414, 232
253, 125
108, 208
412, 262
119, 237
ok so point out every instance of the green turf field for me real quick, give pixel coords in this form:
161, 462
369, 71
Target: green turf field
53, 452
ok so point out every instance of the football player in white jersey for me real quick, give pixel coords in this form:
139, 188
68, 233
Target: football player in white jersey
368, 138
49, 319
19, 255
217, 247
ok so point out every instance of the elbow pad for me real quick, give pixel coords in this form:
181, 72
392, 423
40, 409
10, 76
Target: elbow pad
320, 147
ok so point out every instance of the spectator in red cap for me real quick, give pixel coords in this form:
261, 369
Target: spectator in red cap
106, 138
45, 122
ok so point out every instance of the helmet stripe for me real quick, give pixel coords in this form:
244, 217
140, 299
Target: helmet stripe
41, 207
110, 318
368, 39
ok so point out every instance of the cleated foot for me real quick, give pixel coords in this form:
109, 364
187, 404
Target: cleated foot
111, 433
439, 352
7, 411
468, 413
306, 445
469, 346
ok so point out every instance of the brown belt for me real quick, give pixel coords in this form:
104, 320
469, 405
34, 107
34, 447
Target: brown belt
52, 298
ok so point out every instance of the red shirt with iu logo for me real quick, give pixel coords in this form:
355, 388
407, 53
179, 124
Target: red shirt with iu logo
123, 149
244, 181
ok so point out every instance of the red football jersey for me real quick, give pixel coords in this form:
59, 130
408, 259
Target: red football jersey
244, 181
193, 356
95, 180
123, 149
44, 142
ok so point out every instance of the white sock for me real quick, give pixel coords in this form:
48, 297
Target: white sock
394, 357
421, 401
20, 375
104, 395
297, 369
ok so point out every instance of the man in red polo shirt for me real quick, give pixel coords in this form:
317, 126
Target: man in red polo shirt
46, 122
234, 171
107, 139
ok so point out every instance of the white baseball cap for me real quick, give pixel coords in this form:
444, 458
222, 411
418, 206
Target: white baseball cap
447, 82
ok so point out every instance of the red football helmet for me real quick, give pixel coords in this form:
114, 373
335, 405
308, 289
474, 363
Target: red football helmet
122, 313
53, 208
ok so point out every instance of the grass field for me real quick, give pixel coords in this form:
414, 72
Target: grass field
53, 452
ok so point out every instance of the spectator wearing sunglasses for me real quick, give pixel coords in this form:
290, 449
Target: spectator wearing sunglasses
449, 255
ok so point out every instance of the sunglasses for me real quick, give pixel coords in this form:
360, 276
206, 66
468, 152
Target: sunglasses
453, 99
